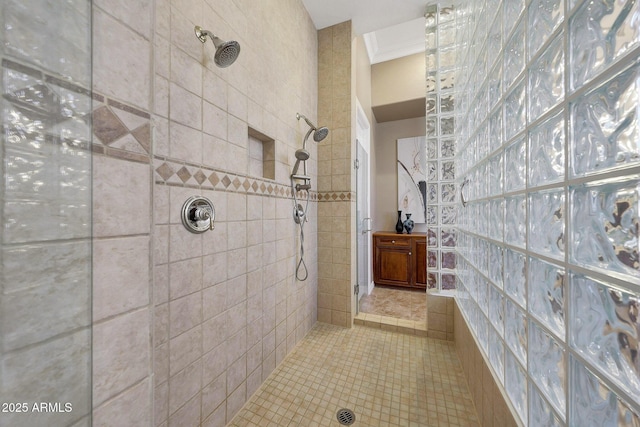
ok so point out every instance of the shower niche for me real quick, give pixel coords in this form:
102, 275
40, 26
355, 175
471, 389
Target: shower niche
262, 154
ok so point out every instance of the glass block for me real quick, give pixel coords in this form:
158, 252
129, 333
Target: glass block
495, 131
515, 333
448, 260
604, 131
447, 79
603, 326
515, 220
448, 238
448, 281
447, 125
446, 103
432, 193
483, 333
546, 152
448, 171
546, 223
547, 366
496, 218
483, 296
495, 83
431, 88
496, 354
448, 215
600, 32
432, 148
514, 55
495, 174
483, 142
515, 177
540, 412
431, 104
515, 379
544, 17
515, 108
483, 251
592, 403
447, 34
448, 193
546, 295
496, 309
513, 9
495, 264
604, 227
447, 148
494, 40
432, 171
546, 79
514, 276
432, 215
432, 259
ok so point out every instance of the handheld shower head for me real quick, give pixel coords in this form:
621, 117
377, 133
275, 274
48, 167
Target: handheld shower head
226, 52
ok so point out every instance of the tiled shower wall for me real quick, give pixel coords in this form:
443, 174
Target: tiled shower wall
336, 200
45, 210
227, 306
547, 103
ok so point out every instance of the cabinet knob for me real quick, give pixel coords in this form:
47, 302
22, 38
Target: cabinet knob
393, 241
409, 253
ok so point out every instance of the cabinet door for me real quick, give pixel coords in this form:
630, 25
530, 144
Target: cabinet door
420, 258
393, 267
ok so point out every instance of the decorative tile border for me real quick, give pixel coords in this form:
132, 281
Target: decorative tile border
171, 172
120, 130
336, 196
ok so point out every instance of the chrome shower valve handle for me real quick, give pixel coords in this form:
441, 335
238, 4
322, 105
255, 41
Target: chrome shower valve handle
198, 214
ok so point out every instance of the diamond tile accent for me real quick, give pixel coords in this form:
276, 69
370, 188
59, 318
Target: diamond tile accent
236, 183
214, 179
226, 181
184, 174
246, 184
107, 127
200, 176
255, 186
165, 171
143, 136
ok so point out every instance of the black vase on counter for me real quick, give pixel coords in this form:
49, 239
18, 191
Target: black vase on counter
408, 224
399, 224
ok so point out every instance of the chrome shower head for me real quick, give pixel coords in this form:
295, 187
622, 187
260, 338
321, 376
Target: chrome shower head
226, 52
318, 133
302, 154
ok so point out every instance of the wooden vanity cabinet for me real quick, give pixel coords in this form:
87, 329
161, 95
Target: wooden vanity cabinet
400, 259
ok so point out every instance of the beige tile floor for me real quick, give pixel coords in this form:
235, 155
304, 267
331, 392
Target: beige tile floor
386, 378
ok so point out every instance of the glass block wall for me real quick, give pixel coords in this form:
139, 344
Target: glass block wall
547, 104
442, 193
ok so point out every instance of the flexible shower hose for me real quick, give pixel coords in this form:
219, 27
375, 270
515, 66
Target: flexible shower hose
302, 219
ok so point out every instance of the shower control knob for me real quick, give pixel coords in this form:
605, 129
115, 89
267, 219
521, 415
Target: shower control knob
198, 214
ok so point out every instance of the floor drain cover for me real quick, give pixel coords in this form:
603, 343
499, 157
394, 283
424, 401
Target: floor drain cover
346, 417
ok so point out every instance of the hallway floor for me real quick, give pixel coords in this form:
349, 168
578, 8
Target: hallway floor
406, 304
386, 378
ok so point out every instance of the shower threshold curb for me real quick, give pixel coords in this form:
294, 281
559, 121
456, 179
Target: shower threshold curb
391, 324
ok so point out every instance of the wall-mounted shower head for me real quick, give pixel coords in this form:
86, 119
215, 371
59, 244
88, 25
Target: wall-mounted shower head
226, 52
318, 133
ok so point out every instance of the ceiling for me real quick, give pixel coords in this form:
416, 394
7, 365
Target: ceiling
391, 28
